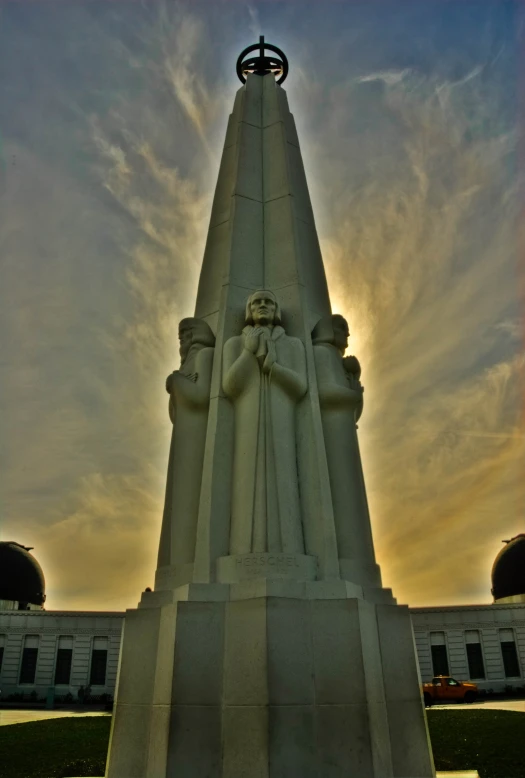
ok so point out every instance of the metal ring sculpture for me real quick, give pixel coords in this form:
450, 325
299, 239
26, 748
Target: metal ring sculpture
262, 65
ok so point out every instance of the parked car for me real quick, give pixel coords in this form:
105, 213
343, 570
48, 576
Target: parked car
443, 688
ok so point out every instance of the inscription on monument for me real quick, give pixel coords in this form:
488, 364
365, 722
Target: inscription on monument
268, 560
297, 567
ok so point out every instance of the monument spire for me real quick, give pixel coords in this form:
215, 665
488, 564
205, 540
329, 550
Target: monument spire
262, 235
269, 646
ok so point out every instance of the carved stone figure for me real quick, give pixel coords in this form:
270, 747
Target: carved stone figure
341, 400
189, 390
265, 377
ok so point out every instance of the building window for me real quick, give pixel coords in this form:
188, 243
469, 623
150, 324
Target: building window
476, 668
2, 644
29, 659
64, 661
438, 648
509, 653
99, 660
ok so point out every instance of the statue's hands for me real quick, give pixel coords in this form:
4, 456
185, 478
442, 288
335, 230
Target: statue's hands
271, 357
355, 385
251, 342
169, 381
352, 366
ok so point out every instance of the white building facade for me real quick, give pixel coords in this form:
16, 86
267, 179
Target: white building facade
68, 650
481, 643
64, 650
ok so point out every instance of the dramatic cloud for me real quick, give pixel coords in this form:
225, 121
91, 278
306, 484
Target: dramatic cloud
112, 128
422, 257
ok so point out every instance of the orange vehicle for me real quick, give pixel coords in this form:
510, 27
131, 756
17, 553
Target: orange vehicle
446, 689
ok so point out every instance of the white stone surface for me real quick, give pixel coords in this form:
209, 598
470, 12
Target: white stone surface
509, 704
250, 245
283, 655
11, 716
246, 567
264, 377
457, 774
455, 622
189, 398
306, 681
47, 627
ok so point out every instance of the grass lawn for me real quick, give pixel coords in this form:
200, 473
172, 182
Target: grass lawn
491, 741
55, 748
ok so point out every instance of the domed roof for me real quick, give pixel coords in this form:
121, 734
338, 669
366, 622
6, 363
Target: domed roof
21, 577
508, 570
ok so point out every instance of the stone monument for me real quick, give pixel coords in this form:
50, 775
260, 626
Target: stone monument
269, 646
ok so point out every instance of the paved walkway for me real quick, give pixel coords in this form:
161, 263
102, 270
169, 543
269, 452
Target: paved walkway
13, 716
518, 705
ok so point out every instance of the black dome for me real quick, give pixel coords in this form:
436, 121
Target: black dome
508, 570
21, 577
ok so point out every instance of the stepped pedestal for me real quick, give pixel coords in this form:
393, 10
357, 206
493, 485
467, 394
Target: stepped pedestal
269, 678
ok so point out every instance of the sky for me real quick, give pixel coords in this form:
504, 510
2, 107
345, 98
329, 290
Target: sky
112, 119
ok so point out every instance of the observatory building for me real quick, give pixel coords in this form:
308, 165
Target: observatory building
508, 572
22, 584
40, 649
70, 649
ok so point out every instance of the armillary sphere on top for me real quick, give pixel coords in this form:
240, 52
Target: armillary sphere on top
261, 65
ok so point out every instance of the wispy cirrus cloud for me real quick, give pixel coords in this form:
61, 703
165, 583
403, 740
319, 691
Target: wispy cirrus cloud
183, 42
422, 258
255, 21
110, 158
116, 247
389, 77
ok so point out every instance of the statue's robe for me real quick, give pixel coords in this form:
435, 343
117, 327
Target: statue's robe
188, 409
340, 398
265, 511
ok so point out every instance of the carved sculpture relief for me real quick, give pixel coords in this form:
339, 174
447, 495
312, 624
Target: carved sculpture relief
341, 401
264, 376
189, 391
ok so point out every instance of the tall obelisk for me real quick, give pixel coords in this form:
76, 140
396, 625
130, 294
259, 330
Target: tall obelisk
269, 647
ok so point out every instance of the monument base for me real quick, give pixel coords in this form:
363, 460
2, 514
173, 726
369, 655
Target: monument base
268, 678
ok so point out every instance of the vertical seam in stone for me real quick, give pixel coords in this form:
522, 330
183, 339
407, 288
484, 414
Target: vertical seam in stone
262, 186
312, 644
366, 670
225, 615
268, 691
381, 659
313, 627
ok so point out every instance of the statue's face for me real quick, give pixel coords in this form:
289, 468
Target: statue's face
263, 307
341, 334
185, 339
